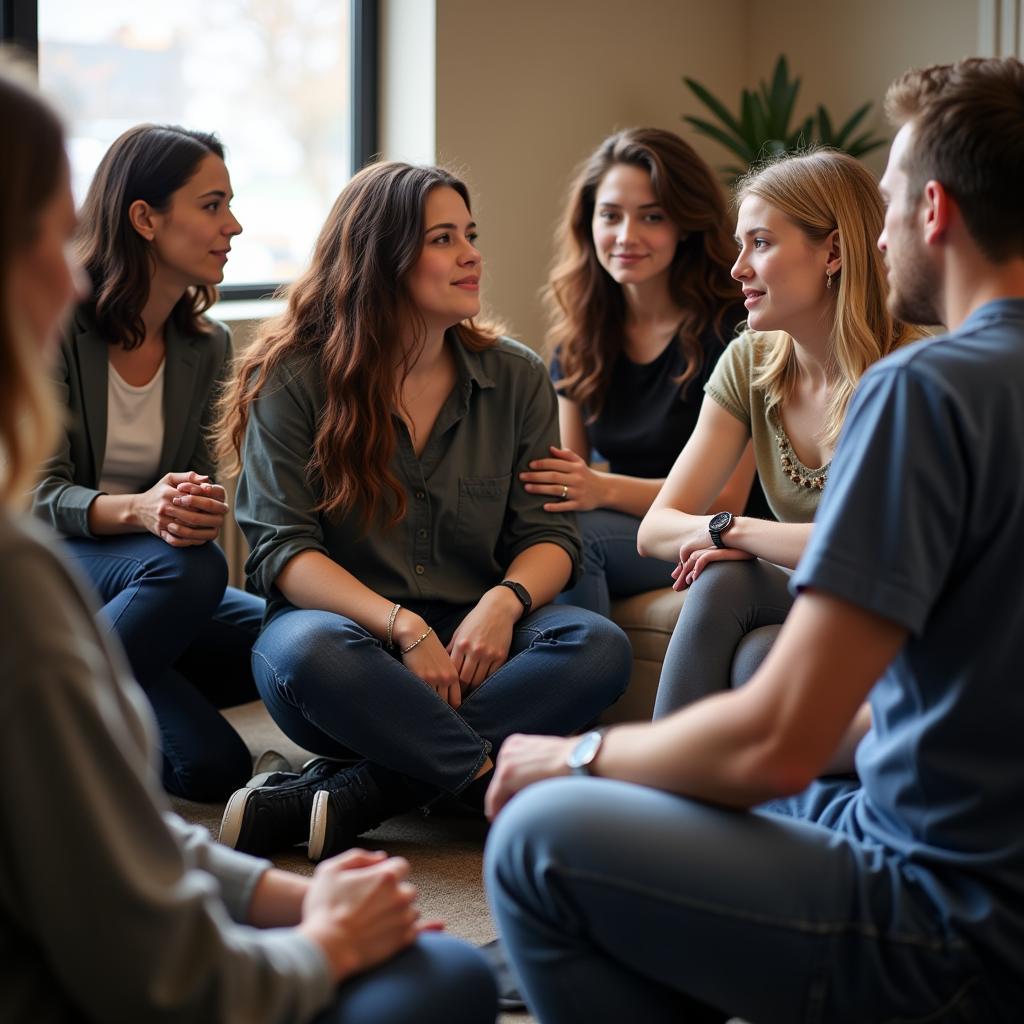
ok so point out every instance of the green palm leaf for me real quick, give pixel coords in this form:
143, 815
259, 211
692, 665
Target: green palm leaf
848, 128
761, 127
737, 145
714, 105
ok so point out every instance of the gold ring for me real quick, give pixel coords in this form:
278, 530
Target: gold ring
565, 491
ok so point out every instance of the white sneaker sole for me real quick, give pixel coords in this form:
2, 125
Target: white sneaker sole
234, 815
318, 825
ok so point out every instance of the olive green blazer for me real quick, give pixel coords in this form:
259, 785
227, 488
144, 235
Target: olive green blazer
195, 367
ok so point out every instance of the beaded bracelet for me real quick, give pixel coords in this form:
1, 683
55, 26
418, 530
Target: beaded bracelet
389, 639
418, 640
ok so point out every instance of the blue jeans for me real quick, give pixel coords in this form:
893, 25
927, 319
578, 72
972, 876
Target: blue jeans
439, 980
333, 688
612, 567
188, 637
619, 902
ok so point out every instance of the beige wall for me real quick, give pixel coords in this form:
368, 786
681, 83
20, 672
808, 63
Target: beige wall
848, 53
525, 89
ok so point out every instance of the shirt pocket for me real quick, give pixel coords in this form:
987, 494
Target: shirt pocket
481, 514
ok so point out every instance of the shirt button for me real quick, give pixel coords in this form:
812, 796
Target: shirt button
420, 570
421, 533
420, 495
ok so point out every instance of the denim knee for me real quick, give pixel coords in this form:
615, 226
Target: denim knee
538, 826
437, 980
606, 640
309, 648
464, 992
198, 575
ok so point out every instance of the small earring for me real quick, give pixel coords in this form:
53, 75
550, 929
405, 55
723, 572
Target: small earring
828, 278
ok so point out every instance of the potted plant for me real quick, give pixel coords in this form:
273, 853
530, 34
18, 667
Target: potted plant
762, 129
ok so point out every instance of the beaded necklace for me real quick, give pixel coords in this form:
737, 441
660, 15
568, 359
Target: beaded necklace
792, 467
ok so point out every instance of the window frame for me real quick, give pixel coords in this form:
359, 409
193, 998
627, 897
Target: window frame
19, 26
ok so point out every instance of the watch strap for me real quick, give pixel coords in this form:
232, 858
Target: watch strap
521, 593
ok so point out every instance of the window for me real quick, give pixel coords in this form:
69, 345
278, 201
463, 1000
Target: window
288, 85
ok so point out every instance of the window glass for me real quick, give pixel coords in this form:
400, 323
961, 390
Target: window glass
270, 77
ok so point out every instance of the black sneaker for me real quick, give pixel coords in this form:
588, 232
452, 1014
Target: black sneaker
314, 768
265, 819
348, 804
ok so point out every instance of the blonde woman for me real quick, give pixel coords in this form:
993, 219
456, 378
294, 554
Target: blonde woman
815, 289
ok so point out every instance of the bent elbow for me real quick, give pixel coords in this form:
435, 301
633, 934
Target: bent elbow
643, 538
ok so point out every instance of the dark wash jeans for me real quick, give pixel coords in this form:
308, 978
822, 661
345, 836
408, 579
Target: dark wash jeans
618, 902
438, 980
333, 688
612, 566
188, 637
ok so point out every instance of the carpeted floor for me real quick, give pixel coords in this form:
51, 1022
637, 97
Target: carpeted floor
446, 852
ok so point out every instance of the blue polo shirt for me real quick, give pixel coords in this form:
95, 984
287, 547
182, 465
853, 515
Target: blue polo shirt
923, 523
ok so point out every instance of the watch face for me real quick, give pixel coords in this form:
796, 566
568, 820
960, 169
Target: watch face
584, 751
720, 521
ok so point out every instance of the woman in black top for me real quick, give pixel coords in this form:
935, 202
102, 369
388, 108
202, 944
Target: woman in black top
643, 305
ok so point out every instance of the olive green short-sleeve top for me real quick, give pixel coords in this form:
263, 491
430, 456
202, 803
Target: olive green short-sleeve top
731, 386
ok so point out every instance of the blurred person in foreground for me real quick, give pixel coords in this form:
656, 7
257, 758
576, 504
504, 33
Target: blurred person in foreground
112, 908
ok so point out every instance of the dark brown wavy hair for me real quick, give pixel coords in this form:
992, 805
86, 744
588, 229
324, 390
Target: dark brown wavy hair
347, 314
149, 162
587, 307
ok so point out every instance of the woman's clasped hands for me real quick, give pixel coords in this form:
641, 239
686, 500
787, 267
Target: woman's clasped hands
360, 909
183, 509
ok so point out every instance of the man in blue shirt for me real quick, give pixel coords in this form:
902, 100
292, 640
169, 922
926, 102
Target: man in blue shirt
901, 896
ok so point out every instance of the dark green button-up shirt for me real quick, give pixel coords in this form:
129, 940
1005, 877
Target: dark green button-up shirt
468, 515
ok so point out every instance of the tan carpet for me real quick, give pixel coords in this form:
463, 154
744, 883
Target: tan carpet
446, 853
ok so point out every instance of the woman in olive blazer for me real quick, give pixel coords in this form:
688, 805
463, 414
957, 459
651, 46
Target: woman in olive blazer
130, 485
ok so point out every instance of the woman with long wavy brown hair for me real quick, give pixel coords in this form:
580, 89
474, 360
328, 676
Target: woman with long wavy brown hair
642, 306
408, 582
111, 907
131, 482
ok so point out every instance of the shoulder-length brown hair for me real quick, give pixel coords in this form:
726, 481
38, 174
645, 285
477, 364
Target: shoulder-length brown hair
587, 307
30, 174
149, 162
347, 314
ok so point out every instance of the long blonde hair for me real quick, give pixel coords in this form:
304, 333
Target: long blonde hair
822, 191
29, 176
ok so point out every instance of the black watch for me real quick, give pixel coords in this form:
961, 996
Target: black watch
720, 522
581, 757
521, 592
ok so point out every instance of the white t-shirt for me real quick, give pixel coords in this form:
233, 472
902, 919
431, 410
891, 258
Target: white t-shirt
135, 433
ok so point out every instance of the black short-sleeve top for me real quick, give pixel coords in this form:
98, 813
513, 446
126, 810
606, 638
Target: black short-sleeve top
647, 416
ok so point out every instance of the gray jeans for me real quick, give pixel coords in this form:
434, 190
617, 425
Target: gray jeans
728, 624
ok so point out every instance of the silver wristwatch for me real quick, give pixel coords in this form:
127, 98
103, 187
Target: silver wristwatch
582, 756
